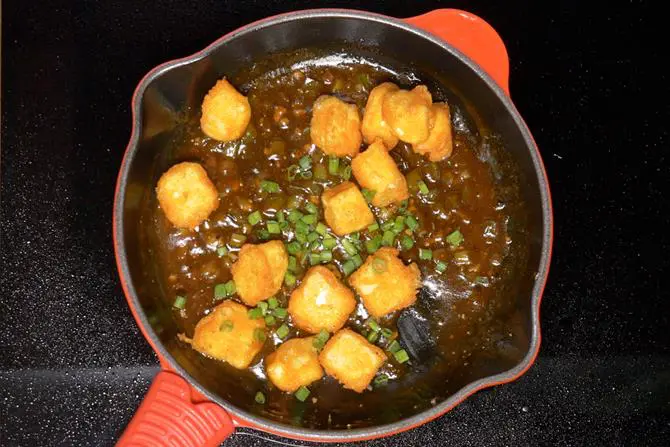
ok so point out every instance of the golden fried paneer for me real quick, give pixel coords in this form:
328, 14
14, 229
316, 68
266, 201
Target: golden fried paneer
374, 126
385, 284
225, 112
345, 209
408, 113
335, 126
294, 364
228, 334
439, 145
375, 170
259, 271
351, 359
186, 195
321, 302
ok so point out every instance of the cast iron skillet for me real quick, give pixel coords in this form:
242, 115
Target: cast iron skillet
183, 405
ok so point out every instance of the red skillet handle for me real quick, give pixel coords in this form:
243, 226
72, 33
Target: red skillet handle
472, 36
170, 416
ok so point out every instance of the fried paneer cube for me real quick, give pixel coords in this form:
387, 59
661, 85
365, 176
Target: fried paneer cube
345, 209
321, 302
294, 364
351, 359
439, 144
408, 113
374, 126
385, 284
225, 112
186, 195
228, 334
336, 126
375, 170
259, 271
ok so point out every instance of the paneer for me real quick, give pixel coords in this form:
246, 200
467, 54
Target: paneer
336, 126
345, 209
439, 144
259, 271
186, 195
408, 113
385, 284
351, 359
375, 170
374, 126
225, 112
321, 302
229, 335
294, 364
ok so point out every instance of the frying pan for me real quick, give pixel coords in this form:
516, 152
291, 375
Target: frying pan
182, 406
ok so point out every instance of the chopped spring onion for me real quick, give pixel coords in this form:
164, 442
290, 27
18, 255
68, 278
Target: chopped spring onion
374, 227
379, 265
220, 291
321, 228
403, 206
399, 224
280, 313
236, 239
221, 252
406, 242
368, 194
263, 306
305, 162
423, 188
333, 165
348, 267
311, 237
270, 320
273, 303
455, 239
320, 172
372, 324
314, 245
401, 356
263, 234
314, 258
255, 313
329, 242
226, 326
309, 219
269, 186
388, 239
311, 209
292, 263
259, 398
305, 174
425, 254
380, 380
259, 335
482, 281
282, 331
302, 394
411, 223
293, 247
289, 279
273, 227
393, 347
301, 227
326, 256
280, 216
293, 172
373, 336
373, 244
320, 339
441, 266
345, 172
294, 216
349, 247
179, 302
301, 237
358, 261
387, 225
387, 333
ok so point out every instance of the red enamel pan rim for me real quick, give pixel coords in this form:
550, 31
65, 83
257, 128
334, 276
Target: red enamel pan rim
243, 418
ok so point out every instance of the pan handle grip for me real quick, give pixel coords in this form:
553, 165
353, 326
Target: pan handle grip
171, 416
472, 36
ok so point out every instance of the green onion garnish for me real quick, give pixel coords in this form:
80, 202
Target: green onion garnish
269, 186
230, 287
399, 224
358, 261
320, 172
255, 313
425, 254
440, 266
280, 313
294, 216
372, 324
423, 187
289, 279
388, 239
259, 398
387, 225
403, 206
302, 394
401, 356
455, 239
320, 339
393, 347
263, 234
280, 216
387, 333
373, 336
301, 227
368, 194
226, 326
292, 263
179, 302
301, 237
311, 209
236, 239
311, 237
220, 291
373, 244
293, 247
321, 228
293, 171
482, 281
411, 223
309, 219
314, 245
254, 217
263, 306
269, 320
221, 252
374, 227
380, 380
333, 165
305, 174
305, 162
349, 247
282, 331
406, 242
272, 302
348, 267
329, 242
345, 172
273, 227
326, 256
259, 335
314, 258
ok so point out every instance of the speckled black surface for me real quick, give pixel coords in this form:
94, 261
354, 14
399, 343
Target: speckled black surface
73, 365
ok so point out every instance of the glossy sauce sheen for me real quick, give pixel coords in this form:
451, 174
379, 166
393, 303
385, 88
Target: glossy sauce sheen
460, 303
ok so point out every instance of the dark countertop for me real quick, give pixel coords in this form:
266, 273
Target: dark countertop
73, 365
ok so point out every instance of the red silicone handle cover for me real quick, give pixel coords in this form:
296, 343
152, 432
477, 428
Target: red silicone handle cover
171, 416
472, 36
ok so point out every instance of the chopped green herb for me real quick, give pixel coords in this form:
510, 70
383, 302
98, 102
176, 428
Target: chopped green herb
372, 245
358, 261
259, 334
348, 267
236, 239
423, 188
320, 172
388, 239
272, 302
380, 380
399, 224
326, 256
294, 216
230, 287
269, 186
221, 251
441, 266
259, 398
273, 227
425, 254
301, 237
401, 356
379, 265
226, 326
270, 320
293, 172
292, 263
280, 217
372, 324
309, 219
393, 347
333, 165
289, 279
314, 245
311, 237
255, 313
320, 339
403, 206
305, 162
220, 291
411, 223
406, 242
345, 172
301, 227
374, 227
263, 234
388, 225
311, 209
293, 247
179, 302
302, 394
387, 333
349, 247
314, 258
455, 239
321, 228
282, 331
329, 242
254, 217
280, 313
482, 281
263, 306
305, 174
368, 194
